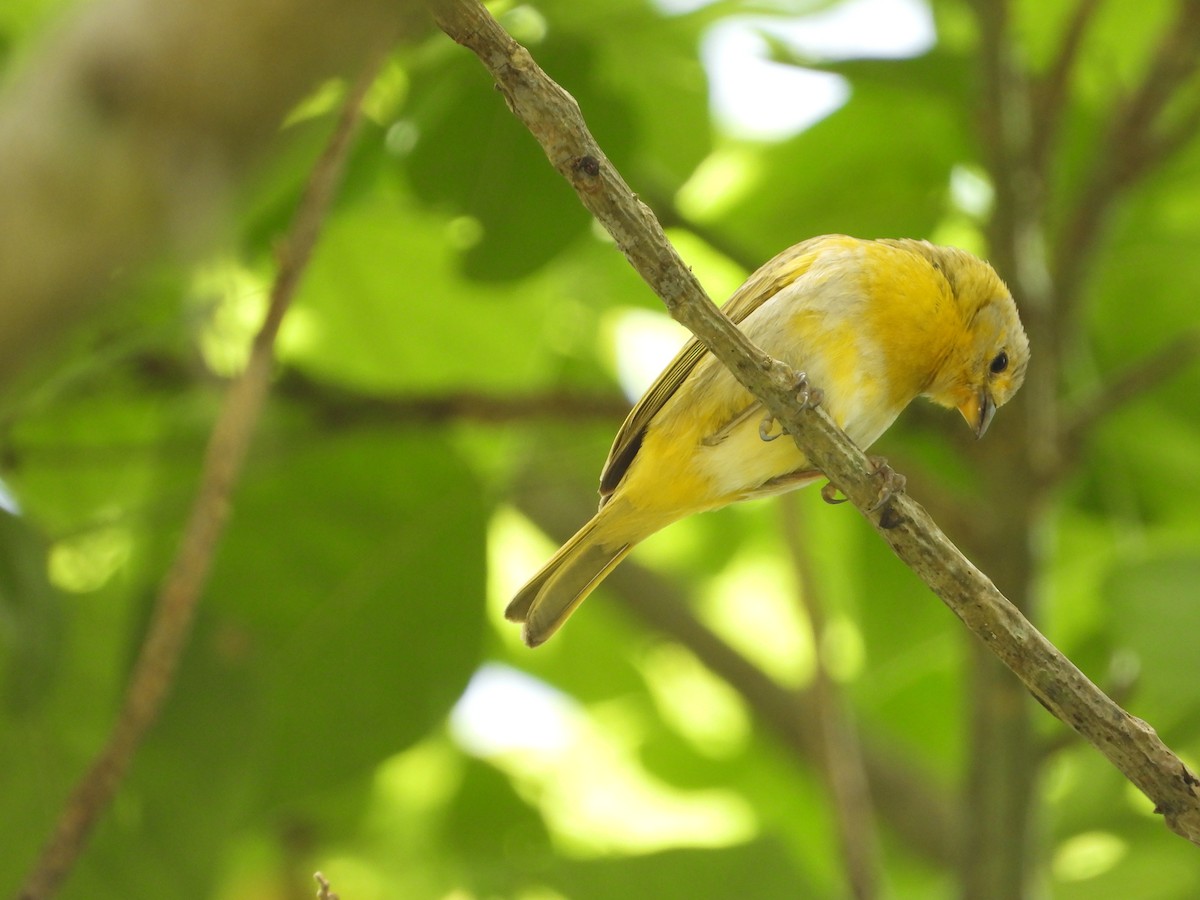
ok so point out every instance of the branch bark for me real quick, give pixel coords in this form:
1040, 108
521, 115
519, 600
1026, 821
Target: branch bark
554, 119
179, 595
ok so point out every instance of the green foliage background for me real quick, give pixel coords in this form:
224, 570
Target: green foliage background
447, 383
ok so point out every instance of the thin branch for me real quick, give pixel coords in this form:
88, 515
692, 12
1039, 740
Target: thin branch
334, 408
1174, 62
339, 406
179, 595
845, 772
553, 118
910, 801
1006, 124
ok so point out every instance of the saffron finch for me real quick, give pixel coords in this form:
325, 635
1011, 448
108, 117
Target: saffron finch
872, 324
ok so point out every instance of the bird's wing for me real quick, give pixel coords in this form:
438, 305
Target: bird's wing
760, 287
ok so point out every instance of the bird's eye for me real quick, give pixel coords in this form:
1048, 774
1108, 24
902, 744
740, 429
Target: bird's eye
1000, 363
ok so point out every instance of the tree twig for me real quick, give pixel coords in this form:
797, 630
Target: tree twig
554, 119
179, 594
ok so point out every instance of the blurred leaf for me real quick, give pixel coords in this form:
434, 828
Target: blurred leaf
1155, 618
804, 181
497, 837
271, 205
691, 874
473, 157
362, 608
381, 311
31, 619
331, 638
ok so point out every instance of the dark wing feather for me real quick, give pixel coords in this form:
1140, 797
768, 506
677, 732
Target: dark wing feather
760, 287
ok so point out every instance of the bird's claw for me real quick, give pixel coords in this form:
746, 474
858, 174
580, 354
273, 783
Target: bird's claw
829, 493
891, 482
764, 429
807, 397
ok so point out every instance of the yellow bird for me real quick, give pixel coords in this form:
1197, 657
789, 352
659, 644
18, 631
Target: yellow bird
872, 324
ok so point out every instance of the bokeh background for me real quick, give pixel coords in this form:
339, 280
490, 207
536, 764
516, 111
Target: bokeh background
462, 350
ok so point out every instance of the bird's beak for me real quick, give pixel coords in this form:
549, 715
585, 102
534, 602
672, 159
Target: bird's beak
978, 410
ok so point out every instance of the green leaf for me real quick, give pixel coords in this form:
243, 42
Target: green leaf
690, 874
354, 565
1153, 614
31, 619
833, 177
344, 617
381, 310
495, 835
475, 158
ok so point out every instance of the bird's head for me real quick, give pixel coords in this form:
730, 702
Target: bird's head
986, 364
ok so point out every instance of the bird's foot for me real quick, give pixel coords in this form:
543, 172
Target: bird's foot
807, 397
764, 429
829, 493
891, 482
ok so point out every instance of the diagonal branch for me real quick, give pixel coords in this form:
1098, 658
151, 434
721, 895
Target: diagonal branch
554, 119
179, 595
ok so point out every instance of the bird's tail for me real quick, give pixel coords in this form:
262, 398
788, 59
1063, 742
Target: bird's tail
565, 581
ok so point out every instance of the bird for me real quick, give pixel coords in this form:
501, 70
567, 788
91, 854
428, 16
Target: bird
871, 324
